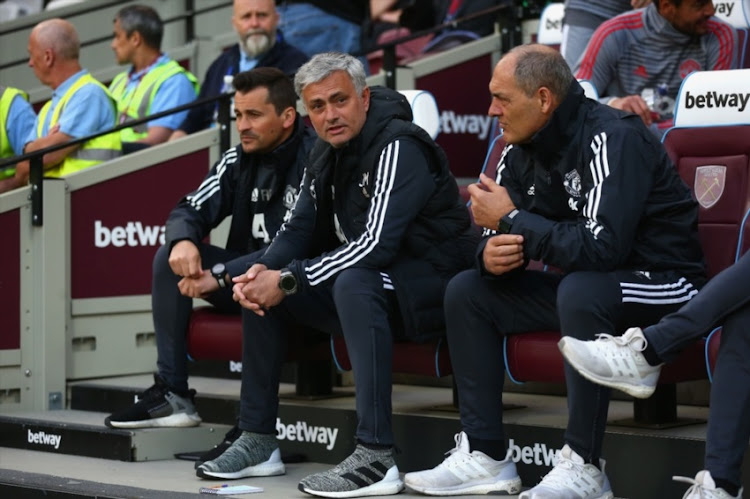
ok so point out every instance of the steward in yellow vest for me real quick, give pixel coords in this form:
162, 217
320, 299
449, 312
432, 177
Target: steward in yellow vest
154, 83
16, 123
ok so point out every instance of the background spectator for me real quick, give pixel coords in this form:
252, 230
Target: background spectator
260, 44
153, 83
16, 123
80, 105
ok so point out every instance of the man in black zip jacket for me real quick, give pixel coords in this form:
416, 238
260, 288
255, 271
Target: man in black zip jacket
256, 183
584, 188
377, 232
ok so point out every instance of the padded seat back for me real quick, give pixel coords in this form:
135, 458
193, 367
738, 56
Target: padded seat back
715, 164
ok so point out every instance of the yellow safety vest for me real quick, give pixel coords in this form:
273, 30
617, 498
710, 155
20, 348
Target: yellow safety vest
7, 94
136, 103
89, 153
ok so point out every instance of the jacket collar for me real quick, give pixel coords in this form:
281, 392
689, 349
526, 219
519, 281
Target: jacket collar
561, 127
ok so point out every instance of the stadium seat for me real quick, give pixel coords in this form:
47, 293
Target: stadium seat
550, 25
713, 142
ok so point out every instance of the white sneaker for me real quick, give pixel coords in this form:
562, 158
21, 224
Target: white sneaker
465, 472
703, 487
614, 361
571, 478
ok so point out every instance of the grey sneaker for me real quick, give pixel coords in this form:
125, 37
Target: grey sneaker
465, 472
572, 478
367, 472
704, 487
614, 361
252, 454
157, 407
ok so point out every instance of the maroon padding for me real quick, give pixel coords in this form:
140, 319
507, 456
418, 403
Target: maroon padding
217, 336
719, 224
535, 357
10, 280
426, 359
713, 349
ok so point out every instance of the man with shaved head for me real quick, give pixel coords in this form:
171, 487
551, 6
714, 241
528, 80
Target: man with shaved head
587, 189
80, 106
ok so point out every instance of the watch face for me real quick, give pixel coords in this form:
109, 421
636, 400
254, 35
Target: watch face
218, 269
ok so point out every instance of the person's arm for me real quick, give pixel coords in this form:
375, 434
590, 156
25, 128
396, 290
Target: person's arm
616, 184
721, 45
204, 208
175, 91
402, 185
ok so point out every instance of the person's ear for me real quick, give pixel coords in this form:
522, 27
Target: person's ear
366, 98
290, 116
546, 100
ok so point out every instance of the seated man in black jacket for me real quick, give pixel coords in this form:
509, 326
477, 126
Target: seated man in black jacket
261, 44
587, 189
377, 232
256, 182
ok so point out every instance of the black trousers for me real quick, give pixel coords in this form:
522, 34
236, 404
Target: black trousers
356, 305
724, 301
480, 310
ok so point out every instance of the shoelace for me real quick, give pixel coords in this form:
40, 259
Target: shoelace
559, 477
634, 342
695, 487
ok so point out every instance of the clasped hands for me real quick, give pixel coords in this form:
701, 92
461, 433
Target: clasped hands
258, 289
489, 203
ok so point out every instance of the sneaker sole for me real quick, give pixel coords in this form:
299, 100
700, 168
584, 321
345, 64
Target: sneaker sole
272, 467
391, 484
637, 391
606, 495
503, 488
266, 469
174, 421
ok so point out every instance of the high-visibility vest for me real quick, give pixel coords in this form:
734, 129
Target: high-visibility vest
7, 94
136, 103
90, 153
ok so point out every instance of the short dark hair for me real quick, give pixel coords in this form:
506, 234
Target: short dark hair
676, 3
280, 88
145, 21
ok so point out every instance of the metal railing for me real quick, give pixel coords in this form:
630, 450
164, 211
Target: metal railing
36, 172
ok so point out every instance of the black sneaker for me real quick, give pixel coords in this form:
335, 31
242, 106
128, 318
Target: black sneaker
367, 472
218, 450
157, 407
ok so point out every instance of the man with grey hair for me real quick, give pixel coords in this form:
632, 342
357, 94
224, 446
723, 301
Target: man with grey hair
80, 106
377, 232
589, 190
153, 83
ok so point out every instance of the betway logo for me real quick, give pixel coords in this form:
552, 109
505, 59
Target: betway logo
714, 99
235, 367
133, 234
476, 124
301, 432
44, 438
539, 454
724, 8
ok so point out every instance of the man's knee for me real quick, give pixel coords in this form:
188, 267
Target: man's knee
461, 288
587, 298
161, 261
356, 281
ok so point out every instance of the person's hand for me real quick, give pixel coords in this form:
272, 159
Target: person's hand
637, 4
503, 253
198, 287
185, 259
489, 202
258, 290
634, 104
